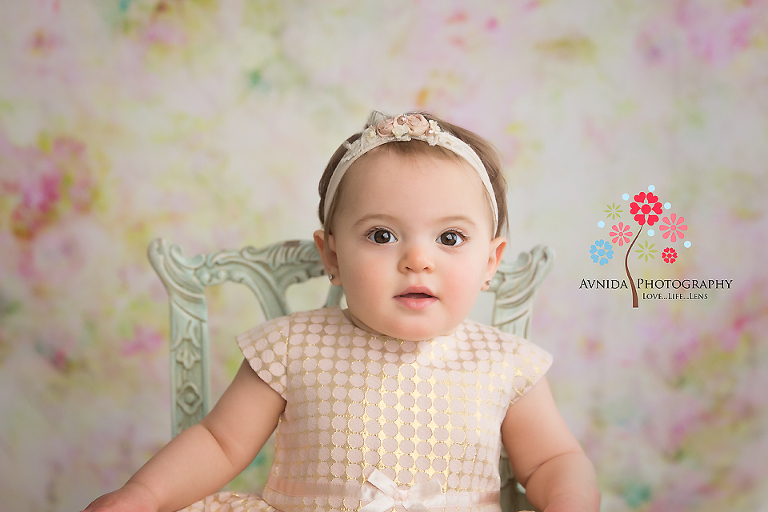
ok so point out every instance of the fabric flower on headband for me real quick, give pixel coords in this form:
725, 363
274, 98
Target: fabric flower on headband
400, 127
404, 128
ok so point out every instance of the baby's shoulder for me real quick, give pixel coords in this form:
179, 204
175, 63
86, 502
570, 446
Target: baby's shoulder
471, 330
300, 322
493, 338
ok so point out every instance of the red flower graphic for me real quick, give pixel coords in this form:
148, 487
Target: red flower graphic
642, 212
673, 227
620, 233
669, 255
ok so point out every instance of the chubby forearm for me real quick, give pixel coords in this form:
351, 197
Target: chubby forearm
190, 467
203, 458
566, 482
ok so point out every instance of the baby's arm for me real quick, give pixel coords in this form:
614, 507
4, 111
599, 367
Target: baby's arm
546, 458
206, 456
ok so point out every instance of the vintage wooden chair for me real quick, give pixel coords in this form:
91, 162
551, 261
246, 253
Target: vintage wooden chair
268, 272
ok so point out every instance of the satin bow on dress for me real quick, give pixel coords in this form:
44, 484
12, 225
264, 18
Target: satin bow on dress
416, 498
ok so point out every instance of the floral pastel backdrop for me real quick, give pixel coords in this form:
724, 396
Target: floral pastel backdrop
208, 122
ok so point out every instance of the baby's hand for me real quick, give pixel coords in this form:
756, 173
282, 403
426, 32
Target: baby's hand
132, 497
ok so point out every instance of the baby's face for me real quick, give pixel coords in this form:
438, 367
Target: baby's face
413, 244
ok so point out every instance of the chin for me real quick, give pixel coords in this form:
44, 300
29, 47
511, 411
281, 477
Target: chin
418, 332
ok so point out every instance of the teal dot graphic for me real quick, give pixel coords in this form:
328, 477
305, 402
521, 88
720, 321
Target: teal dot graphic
687, 243
651, 188
625, 197
601, 224
667, 206
651, 232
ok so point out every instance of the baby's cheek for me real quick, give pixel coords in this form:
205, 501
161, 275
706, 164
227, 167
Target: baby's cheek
465, 284
363, 280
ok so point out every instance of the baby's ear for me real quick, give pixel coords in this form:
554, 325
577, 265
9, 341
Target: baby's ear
327, 249
496, 251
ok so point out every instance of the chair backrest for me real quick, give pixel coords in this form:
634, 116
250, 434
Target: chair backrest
268, 272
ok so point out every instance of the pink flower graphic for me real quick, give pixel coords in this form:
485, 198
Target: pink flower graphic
620, 234
669, 255
673, 227
646, 212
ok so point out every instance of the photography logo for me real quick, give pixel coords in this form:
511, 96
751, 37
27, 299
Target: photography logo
643, 215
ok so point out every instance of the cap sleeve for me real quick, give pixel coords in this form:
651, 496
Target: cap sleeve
529, 362
265, 348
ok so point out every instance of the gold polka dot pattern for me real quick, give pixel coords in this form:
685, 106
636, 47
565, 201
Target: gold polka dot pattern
416, 411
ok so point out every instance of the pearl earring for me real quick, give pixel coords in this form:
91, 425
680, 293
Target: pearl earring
330, 277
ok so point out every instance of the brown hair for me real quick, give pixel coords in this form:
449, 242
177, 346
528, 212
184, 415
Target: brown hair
483, 148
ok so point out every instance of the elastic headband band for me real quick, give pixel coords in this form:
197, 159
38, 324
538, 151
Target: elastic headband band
381, 130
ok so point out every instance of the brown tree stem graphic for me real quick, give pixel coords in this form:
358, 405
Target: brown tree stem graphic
626, 267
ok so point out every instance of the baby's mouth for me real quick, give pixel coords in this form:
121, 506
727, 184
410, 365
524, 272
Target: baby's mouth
417, 292
416, 297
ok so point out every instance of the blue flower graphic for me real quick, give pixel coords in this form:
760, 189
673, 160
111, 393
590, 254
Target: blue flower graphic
601, 252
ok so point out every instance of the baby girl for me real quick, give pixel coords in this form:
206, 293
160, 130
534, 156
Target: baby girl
397, 402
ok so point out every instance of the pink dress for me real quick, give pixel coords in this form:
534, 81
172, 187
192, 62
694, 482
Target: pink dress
375, 423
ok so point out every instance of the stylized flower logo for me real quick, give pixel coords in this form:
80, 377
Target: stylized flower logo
669, 255
646, 208
646, 251
614, 210
620, 233
673, 227
601, 252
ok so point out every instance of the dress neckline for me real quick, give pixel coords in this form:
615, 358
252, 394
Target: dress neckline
348, 317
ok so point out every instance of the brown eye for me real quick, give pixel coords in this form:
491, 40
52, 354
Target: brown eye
451, 238
382, 236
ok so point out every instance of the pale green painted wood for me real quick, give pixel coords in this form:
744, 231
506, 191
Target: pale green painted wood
268, 272
515, 285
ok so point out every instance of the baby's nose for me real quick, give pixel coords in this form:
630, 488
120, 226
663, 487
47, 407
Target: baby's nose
416, 258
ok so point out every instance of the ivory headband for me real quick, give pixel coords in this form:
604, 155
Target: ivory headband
382, 130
